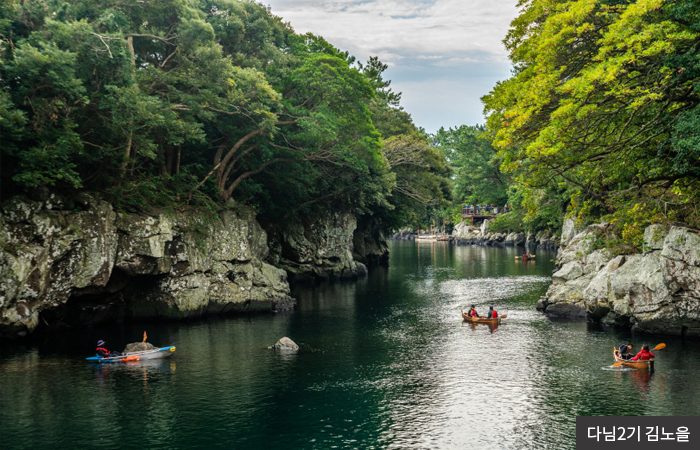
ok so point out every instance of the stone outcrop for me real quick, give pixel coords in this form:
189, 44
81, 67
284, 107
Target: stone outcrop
90, 264
656, 292
318, 248
138, 347
369, 243
404, 234
465, 234
285, 344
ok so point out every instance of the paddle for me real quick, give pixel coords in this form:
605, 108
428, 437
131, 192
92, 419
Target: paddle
658, 347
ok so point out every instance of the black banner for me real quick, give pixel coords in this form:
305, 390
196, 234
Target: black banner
638, 432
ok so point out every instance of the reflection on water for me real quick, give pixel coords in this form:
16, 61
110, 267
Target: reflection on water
385, 363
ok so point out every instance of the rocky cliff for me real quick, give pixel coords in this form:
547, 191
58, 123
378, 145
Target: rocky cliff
319, 247
656, 292
369, 243
78, 261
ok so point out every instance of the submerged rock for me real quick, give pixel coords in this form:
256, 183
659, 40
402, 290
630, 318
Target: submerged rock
285, 344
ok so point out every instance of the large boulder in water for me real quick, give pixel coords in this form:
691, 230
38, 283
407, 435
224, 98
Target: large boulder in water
285, 344
139, 347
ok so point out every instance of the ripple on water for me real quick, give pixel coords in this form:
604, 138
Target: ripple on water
486, 290
619, 369
386, 363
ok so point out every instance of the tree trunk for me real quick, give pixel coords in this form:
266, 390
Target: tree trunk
130, 46
169, 161
177, 164
127, 153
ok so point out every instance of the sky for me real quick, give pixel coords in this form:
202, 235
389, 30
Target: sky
443, 55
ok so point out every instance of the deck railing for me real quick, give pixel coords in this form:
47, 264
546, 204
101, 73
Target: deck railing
483, 211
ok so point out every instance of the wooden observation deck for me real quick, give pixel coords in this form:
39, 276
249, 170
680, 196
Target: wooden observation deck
480, 214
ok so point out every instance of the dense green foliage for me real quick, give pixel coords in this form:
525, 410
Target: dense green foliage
177, 102
422, 185
602, 111
477, 178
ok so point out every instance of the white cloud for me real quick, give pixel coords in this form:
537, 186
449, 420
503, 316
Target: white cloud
421, 40
439, 26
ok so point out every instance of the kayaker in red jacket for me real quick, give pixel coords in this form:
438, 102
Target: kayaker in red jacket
492, 314
472, 312
103, 352
644, 355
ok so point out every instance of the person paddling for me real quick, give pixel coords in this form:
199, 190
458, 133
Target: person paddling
644, 355
472, 312
492, 314
625, 351
103, 352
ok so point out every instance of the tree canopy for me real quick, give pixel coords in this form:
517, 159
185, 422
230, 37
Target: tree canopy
422, 185
477, 178
186, 101
603, 104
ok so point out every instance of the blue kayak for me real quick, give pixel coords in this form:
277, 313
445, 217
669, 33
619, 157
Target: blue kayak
155, 353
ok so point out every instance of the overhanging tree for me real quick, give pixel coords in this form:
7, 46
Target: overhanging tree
599, 100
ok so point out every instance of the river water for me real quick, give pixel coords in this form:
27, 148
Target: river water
385, 363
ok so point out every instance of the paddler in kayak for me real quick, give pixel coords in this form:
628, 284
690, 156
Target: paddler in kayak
472, 312
103, 352
644, 355
625, 351
492, 314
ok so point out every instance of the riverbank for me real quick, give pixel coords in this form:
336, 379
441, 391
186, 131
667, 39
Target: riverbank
77, 262
655, 292
465, 234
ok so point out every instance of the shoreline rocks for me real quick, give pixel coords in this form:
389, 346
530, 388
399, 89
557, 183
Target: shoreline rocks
76, 262
91, 265
656, 292
465, 234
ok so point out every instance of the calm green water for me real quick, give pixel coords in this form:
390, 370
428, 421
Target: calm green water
386, 363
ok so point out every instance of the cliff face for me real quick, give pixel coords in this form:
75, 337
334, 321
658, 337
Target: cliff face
318, 248
90, 264
369, 242
657, 292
